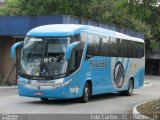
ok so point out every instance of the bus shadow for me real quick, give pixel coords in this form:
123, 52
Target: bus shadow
77, 100
104, 96
107, 96
56, 102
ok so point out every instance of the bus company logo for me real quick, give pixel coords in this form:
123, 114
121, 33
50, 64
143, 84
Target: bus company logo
98, 63
118, 74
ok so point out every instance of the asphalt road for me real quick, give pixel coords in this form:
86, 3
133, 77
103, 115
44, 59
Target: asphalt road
10, 102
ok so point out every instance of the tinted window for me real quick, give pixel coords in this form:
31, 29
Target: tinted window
93, 45
76, 55
134, 49
105, 46
137, 50
140, 50
125, 48
96, 46
114, 47
90, 45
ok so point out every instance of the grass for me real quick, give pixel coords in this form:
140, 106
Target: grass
150, 109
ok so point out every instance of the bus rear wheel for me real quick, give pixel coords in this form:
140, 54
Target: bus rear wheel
86, 93
129, 91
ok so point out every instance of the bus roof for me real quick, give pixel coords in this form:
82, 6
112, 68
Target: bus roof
72, 29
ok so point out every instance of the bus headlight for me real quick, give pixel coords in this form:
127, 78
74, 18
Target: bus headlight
23, 82
63, 83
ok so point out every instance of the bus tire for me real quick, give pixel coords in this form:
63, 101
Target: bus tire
86, 93
130, 89
44, 99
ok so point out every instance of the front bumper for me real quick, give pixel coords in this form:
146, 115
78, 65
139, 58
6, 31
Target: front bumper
57, 93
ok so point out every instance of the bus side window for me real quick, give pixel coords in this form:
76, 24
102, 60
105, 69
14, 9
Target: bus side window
118, 47
90, 46
126, 49
96, 46
105, 47
137, 50
78, 55
134, 49
93, 46
114, 47
140, 50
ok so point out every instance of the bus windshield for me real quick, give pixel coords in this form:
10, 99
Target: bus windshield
44, 57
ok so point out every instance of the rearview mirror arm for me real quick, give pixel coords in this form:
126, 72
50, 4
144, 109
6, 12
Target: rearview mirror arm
69, 49
13, 48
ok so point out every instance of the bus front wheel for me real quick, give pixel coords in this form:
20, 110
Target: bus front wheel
86, 93
130, 89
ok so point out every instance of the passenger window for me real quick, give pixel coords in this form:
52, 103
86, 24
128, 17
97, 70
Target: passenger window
105, 47
76, 55
93, 46
114, 47
137, 50
134, 49
90, 45
118, 42
141, 50
96, 44
126, 49
75, 60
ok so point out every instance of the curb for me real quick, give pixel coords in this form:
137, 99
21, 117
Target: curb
135, 112
8, 87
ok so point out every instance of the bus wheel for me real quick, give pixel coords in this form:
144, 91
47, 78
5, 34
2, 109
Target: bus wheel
86, 93
129, 91
44, 99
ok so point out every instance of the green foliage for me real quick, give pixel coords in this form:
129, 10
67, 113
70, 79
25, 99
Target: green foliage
140, 16
45, 7
9, 7
116, 12
149, 13
154, 44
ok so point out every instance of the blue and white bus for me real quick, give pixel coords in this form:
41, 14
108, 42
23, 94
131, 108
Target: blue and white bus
76, 61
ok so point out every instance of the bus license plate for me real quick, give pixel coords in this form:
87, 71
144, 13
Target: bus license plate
38, 93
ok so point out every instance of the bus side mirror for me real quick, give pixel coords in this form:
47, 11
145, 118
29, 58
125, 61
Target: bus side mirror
13, 49
69, 50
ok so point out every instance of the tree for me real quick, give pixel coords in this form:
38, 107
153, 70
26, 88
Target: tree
139, 15
148, 12
116, 12
45, 7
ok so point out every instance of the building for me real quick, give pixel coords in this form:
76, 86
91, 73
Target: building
14, 29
